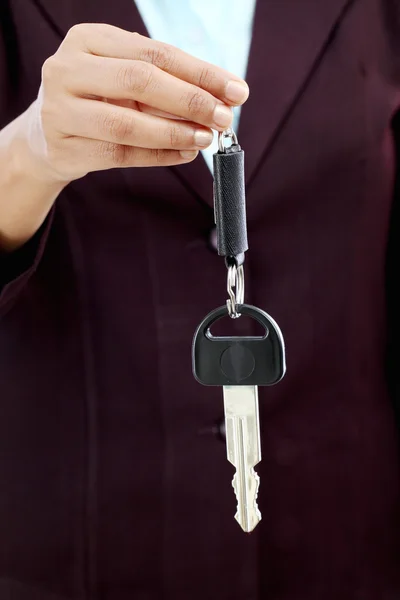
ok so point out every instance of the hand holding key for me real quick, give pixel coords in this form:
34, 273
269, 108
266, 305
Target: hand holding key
111, 98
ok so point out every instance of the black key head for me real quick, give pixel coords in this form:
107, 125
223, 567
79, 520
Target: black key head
238, 360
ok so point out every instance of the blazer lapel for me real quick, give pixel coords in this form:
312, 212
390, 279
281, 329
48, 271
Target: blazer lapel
289, 38
66, 13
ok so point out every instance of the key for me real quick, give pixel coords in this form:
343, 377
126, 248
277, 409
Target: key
240, 365
243, 447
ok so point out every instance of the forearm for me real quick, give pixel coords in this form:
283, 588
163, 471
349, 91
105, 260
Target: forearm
26, 195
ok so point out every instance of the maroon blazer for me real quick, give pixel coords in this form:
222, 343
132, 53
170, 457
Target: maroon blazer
114, 483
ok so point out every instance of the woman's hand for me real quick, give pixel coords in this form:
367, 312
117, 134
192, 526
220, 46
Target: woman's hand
110, 98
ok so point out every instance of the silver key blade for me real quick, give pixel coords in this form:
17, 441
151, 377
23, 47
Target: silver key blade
243, 448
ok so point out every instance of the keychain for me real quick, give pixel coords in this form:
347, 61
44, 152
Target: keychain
239, 364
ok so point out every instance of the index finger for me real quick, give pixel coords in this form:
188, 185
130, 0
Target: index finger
113, 42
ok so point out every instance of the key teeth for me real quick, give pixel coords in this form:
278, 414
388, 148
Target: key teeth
251, 516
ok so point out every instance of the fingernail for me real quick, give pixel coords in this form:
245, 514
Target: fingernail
237, 91
189, 154
203, 138
222, 115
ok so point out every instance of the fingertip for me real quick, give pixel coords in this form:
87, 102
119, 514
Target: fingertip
237, 92
188, 155
203, 138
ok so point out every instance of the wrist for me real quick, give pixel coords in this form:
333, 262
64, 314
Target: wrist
27, 190
25, 165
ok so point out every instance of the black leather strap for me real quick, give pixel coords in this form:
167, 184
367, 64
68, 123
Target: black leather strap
230, 204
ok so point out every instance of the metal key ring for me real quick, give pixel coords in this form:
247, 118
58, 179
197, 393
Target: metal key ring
235, 288
228, 133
